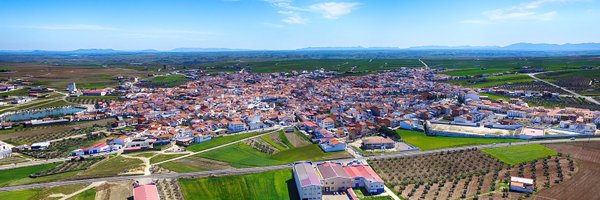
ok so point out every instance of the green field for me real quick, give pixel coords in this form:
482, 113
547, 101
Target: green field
240, 155
173, 80
517, 154
269, 139
18, 92
466, 67
9, 176
163, 157
110, 167
266, 185
423, 142
20, 194
89, 194
219, 141
492, 81
340, 65
495, 97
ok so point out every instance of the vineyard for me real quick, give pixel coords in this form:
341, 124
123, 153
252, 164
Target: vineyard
466, 174
62, 147
91, 99
534, 86
50, 136
68, 167
168, 189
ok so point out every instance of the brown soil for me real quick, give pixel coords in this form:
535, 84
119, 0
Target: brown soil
296, 140
116, 190
585, 184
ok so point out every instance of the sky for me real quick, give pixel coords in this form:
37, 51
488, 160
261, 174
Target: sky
291, 24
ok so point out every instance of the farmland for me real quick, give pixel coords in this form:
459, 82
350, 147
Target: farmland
513, 155
467, 174
493, 81
41, 193
219, 141
423, 142
340, 65
90, 99
587, 157
11, 175
266, 185
466, 67
114, 166
167, 81
58, 77
584, 82
240, 155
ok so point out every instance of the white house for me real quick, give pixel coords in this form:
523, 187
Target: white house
5, 150
307, 181
328, 123
236, 126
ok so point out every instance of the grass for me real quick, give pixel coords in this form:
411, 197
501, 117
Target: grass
163, 157
423, 142
13, 159
18, 92
9, 176
167, 81
269, 139
495, 97
284, 139
277, 184
240, 155
493, 81
89, 194
20, 194
513, 155
181, 168
309, 152
219, 141
360, 193
111, 167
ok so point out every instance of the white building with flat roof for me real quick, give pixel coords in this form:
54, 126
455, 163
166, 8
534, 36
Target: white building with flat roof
307, 181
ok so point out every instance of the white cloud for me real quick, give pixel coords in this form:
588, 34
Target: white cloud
332, 10
72, 27
525, 11
292, 17
296, 14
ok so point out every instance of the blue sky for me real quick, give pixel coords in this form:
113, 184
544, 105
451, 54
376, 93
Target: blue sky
291, 24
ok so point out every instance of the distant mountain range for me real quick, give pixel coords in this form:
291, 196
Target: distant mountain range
513, 47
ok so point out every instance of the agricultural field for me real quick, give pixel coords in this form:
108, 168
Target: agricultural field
58, 77
114, 166
49, 131
63, 147
190, 164
467, 174
587, 159
68, 166
277, 184
219, 141
89, 194
15, 158
166, 81
240, 155
51, 136
163, 157
584, 82
535, 86
424, 142
518, 154
90, 99
41, 193
340, 65
469, 67
169, 189
11, 175
492, 81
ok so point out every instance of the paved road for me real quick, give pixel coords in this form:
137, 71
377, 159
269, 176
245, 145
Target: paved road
426, 66
276, 167
590, 99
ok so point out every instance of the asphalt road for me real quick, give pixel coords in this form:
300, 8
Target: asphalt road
276, 167
590, 99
